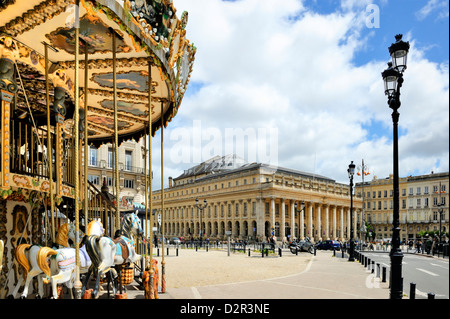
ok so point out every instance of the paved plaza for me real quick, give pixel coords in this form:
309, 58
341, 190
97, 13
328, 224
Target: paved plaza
215, 275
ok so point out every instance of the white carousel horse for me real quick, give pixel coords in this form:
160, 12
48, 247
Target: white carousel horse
62, 265
106, 253
26, 255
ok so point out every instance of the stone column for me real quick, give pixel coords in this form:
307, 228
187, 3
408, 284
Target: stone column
348, 223
334, 224
327, 222
310, 223
293, 232
260, 217
319, 222
342, 223
302, 222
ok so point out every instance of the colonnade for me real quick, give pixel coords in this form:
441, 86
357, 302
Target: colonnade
262, 217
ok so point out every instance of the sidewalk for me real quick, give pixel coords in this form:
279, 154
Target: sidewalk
325, 277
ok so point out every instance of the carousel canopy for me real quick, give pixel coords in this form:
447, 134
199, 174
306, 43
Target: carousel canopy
146, 32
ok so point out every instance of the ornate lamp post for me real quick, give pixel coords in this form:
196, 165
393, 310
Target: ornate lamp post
299, 220
351, 172
201, 208
393, 80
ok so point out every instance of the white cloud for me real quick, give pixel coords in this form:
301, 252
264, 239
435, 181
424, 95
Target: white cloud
262, 65
431, 6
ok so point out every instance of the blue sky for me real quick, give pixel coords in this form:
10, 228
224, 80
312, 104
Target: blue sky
307, 74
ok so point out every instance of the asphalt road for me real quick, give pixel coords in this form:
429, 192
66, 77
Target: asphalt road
431, 275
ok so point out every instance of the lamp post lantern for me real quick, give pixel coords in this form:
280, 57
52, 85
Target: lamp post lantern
393, 80
201, 208
351, 172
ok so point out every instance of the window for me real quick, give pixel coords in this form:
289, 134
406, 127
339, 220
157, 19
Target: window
425, 202
128, 183
237, 210
128, 160
425, 191
418, 191
385, 193
92, 156
110, 157
94, 179
404, 192
245, 209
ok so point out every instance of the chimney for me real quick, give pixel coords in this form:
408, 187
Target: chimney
170, 182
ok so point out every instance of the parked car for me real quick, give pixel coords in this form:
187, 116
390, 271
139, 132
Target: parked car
175, 240
328, 245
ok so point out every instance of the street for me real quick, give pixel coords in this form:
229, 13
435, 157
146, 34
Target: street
431, 275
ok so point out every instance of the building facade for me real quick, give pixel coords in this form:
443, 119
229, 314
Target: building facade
423, 205
131, 171
253, 202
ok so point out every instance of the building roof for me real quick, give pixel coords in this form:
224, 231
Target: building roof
231, 164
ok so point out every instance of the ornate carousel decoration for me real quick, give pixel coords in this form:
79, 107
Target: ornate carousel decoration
75, 73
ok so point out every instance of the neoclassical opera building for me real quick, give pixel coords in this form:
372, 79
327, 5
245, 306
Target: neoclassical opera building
254, 201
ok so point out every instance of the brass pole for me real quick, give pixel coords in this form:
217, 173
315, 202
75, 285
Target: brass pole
163, 263
150, 176
77, 284
86, 148
116, 140
49, 146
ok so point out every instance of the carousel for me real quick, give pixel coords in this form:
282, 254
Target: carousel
74, 74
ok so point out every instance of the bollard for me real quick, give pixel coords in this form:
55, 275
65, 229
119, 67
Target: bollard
378, 270
249, 252
158, 252
334, 252
373, 266
177, 251
315, 251
430, 295
196, 247
365, 261
296, 252
167, 251
342, 253
412, 290
207, 246
383, 278
279, 251
262, 250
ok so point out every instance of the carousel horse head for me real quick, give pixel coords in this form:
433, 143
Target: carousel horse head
72, 232
132, 224
95, 227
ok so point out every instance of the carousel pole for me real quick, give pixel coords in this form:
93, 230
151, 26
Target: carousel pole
77, 284
150, 178
116, 149
49, 145
163, 262
86, 149
116, 139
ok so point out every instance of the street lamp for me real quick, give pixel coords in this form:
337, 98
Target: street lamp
201, 208
351, 172
298, 212
393, 80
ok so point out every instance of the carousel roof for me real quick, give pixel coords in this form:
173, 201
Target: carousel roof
146, 31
